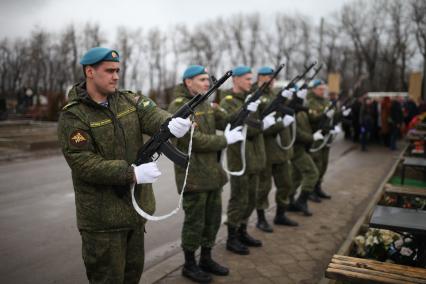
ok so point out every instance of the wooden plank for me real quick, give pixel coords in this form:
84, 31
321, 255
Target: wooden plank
405, 190
382, 268
356, 277
373, 272
420, 272
375, 269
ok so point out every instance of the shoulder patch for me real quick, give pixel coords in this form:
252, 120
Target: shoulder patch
70, 104
229, 97
145, 102
78, 138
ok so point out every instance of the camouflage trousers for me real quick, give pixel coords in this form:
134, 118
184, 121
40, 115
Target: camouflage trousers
305, 172
321, 160
243, 198
113, 257
203, 215
281, 173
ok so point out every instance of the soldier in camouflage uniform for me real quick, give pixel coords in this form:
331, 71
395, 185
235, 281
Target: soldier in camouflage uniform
305, 172
202, 200
243, 188
278, 163
318, 104
100, 131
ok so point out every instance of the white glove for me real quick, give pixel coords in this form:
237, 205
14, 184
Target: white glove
252, 107
336, 130
318, 136
233, 136
330, 113
302, 94
146, 173
346, 111
179, 126
269, 120
287, 120
287, 94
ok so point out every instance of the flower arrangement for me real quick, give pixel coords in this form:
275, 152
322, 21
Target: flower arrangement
404, 202
385, 245
404, 251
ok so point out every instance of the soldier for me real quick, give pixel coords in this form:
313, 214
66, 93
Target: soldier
278, 163
202, 200
100, 131
317, 104
243, 188
305, 173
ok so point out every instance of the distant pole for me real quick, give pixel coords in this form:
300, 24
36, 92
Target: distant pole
321, 34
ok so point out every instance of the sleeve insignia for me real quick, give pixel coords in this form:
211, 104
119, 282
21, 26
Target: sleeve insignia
78, 138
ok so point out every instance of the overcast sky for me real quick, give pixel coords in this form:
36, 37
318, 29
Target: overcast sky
19, 17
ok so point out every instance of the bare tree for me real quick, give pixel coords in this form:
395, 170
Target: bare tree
125, 45
419, 18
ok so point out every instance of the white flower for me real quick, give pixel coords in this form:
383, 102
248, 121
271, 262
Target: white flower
408, 240
406, 251
398, 243
387, 239
360, 251
360, 240
375, 240
369, 241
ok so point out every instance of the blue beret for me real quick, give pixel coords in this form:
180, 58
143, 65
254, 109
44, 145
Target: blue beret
240, 71
194, 70
265, 70
315, 83
98, 54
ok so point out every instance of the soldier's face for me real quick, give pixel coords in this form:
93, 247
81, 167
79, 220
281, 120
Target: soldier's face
319, 91
198, 84
261, 79
244, 82
105, 76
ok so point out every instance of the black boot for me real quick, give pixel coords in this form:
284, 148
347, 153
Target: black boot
233, 243
291, 207
209, 265
192, 271
282, 219
314, 197
318, 190
262, 224
246, 239
302, 203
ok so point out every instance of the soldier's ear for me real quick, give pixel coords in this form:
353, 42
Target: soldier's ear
89, 70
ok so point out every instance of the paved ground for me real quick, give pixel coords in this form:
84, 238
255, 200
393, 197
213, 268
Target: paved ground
300, 255
40, 242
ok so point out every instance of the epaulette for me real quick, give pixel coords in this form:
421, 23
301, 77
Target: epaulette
70, 104
178, 100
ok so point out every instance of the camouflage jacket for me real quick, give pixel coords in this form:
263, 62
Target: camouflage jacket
99, 144
304, 135
255, 146
205, 171
317, 106
275, 154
